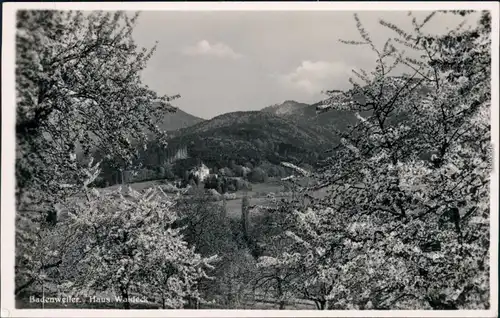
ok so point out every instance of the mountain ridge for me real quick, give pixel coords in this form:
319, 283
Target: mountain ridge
178, 120
244, 137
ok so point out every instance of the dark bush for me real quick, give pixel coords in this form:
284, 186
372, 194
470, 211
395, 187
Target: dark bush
258, 175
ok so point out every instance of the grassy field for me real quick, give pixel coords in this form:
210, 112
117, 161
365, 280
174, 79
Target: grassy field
138, 186
258, 189
233, 207
257, 195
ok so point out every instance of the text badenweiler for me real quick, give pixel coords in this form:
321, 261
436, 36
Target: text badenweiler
91, 299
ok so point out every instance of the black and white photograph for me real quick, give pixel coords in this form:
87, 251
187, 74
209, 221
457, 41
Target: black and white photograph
299, 161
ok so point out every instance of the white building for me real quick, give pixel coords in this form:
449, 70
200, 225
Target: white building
201, 172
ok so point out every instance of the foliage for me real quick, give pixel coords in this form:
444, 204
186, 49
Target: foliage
397, 230
78, 92
258, 175
206, 227
63, 60
234, 279
204, 224
131, 246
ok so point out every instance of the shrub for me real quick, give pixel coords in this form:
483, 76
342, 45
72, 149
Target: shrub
239, 171
229, 196
242, 184
258, 175
161, 172
227, 172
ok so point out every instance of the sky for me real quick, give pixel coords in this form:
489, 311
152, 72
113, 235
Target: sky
222, 62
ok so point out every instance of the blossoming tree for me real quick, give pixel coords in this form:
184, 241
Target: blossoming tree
132, 247
79, 93
405, 223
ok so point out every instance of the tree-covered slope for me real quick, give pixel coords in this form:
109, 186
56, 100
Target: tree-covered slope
252, 136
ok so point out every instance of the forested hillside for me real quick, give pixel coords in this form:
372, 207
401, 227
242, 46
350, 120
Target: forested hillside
178, 120
252, 136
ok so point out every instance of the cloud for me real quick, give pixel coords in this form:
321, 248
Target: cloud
313, 77
220, 50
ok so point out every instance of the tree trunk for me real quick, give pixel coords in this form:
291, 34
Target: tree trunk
282, 304
280, 296
322, 304
193, 303
245, 219
19, 289
124, 292
22, 287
